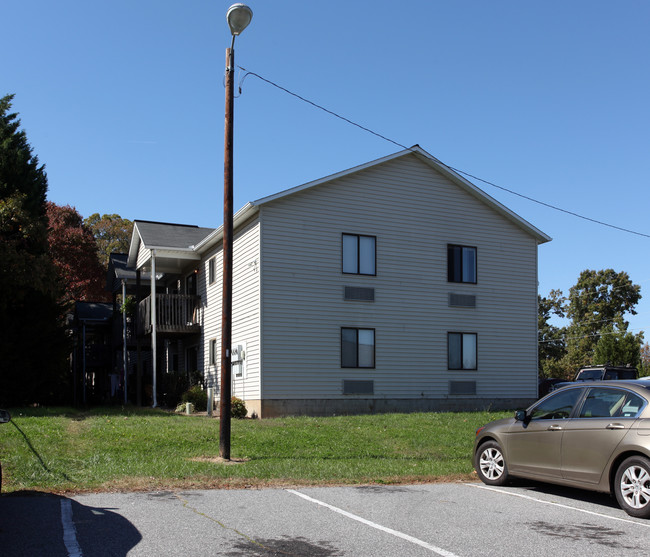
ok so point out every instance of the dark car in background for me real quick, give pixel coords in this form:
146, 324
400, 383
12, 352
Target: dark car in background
600, 373
589, 435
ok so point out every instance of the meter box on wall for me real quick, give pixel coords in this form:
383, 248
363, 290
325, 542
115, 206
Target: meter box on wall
238, 360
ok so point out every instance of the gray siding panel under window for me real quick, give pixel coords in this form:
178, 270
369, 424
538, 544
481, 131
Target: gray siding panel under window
355, 387
462, 387
359, 293
462, 300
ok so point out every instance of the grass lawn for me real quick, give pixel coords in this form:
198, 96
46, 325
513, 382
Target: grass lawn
68, 450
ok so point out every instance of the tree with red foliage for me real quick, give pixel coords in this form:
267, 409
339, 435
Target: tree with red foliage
74, 252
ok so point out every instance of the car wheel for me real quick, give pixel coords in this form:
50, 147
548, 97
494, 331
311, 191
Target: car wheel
632, 486
490, 464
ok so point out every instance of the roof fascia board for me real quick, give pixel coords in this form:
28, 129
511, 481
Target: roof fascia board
436, 164
180, 253
241, 216
331, 177
134, 246
481, 195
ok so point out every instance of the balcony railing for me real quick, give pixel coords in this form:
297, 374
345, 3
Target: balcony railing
175, 313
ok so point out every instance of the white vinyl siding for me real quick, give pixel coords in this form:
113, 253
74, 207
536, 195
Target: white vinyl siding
414, 213
246, 308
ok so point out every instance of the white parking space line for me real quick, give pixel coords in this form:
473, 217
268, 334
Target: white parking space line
69, 531
552, 503
401, 535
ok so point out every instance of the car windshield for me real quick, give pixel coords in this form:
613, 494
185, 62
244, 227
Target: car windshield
590, 374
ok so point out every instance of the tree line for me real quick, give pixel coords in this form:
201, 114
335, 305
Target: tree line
51, 257
597, 331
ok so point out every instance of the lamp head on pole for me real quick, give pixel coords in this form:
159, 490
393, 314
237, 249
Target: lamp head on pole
238, 17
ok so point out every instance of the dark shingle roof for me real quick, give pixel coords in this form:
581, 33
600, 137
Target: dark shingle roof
161, 234
93, 311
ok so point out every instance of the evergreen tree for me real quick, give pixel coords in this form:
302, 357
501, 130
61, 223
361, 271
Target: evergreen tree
23, 223
617, 348
33, 345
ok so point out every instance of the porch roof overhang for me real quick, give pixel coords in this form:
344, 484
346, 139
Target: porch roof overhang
170, 244
167, 260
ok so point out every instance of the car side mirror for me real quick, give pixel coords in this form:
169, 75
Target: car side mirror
4, 416
521, 416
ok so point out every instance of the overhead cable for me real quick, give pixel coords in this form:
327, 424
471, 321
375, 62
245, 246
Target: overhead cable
473, 177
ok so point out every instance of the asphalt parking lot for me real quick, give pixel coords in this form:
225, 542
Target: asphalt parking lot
454, 519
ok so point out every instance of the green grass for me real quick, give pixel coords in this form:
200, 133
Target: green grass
63, 450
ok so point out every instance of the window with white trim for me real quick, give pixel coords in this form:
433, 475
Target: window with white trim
212, 275
213, 352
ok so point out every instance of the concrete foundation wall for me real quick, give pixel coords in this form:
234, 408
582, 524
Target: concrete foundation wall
330, 407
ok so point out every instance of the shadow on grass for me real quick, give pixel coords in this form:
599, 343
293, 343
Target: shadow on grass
80, 414
37, 455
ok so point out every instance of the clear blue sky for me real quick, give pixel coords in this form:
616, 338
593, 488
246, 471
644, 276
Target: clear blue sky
124, 103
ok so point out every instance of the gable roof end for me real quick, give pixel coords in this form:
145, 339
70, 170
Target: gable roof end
437, 165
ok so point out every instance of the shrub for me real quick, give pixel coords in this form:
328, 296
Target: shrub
197, 396
237, 408
175, 384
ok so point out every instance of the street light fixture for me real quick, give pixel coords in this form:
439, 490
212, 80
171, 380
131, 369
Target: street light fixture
238, 17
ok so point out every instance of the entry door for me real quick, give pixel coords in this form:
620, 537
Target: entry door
190, 285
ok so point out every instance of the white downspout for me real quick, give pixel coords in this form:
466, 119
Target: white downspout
153, 323
124, 363
83, 359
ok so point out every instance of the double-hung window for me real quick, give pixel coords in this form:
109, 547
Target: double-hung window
461, 350
213, 352
357, 347
212, 270
359, 254
461, 264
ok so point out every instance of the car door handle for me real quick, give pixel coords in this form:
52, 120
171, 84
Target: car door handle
554, 428
615, 426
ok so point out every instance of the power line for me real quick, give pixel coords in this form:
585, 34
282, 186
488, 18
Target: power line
473, 177
590, 335
602, 223
332, 113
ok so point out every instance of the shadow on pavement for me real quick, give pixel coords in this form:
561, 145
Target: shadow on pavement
33, 523
594, 497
